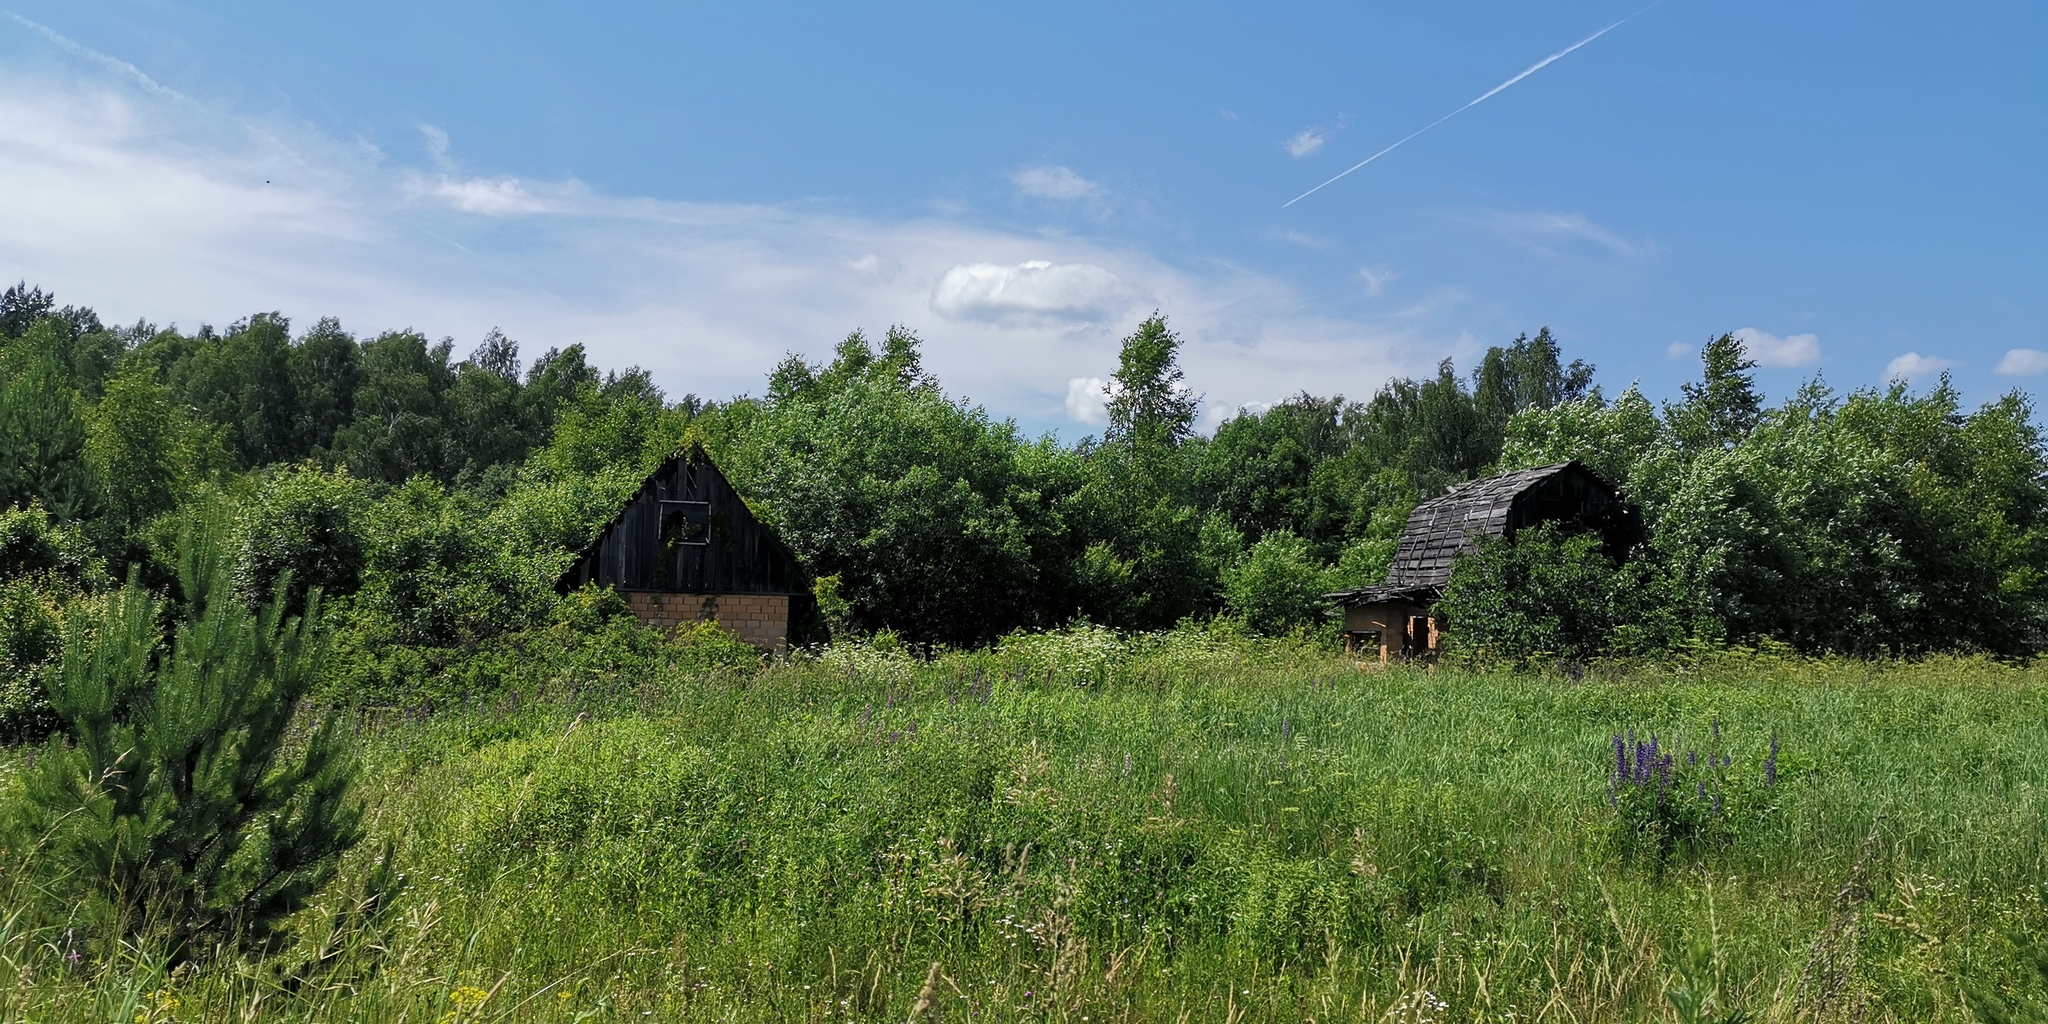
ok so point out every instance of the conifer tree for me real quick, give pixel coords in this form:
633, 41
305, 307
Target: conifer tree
194, 806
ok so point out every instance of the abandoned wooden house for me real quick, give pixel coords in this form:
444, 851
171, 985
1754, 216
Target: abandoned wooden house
1396, 620
687, 549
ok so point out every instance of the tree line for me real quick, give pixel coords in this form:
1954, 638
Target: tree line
433, 498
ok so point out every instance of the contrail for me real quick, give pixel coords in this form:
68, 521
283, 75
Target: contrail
1489, 94
119, 66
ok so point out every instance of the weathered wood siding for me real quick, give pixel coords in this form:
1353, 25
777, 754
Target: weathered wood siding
687, 532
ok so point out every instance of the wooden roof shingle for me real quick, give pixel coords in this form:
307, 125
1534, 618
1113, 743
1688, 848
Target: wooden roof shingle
1442, 528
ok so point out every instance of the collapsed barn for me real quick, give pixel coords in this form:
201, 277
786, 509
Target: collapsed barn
686, 549
1395, 619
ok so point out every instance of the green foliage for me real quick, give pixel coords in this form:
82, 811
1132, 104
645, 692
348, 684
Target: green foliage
1275, 586
1872, 523
1149, 408
243, 381
398, 431
1723, 407
1293, 467
1549, 595
31, 631
194, 805
936, 520
43, 563
1879, 523
34, 544
1529, 374
432, 579
42, 426
1363, 563
1122, 825
303, 530
146, 452
704, 649
1612, 438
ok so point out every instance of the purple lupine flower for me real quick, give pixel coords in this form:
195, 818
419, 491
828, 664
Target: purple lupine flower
1717, 801
865, 712
1771, 762
1692, 758
1286, 730
1620, 758
1701, 788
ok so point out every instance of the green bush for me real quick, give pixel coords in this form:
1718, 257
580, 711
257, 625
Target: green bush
1277, 586
306, 525
42, 565
30, 635
1548, 595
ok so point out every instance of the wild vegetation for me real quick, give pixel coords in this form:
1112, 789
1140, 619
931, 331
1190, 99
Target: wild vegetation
299, 729
1195, 825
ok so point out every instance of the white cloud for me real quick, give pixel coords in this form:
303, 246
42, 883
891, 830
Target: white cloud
1376, 278
1677, 350
1216, 414
492, 197
1554, 234
1913, 366
2023, 362
1053, 183
1770, 350
1087, 401
1031, 292
144, 204
437, 147
1305, 142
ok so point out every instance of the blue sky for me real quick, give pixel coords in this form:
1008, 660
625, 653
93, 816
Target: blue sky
702, 188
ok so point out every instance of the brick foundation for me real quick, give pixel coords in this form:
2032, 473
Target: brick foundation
759, 619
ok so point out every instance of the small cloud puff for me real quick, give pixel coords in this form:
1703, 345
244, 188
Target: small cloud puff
492, 197
1770, 350
2023, 362
1053, 183
1677, 350
1305, 142
1376, 278
1032, 292
1913, 366
1088, 401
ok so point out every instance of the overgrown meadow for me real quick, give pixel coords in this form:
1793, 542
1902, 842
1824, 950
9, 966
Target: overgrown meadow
1092, 826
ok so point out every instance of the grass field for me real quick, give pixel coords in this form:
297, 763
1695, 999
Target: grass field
1078, 827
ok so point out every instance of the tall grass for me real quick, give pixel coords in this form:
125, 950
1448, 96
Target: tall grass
1080, 826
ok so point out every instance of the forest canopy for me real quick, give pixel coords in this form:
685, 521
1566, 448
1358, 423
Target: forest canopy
432, 497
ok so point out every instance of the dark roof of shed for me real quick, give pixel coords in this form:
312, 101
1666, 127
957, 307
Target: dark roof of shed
1444, 526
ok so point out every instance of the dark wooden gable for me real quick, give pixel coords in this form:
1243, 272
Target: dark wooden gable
686, 532
1446, 526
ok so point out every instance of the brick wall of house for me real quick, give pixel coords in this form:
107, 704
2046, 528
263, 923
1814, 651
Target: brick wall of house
759, 619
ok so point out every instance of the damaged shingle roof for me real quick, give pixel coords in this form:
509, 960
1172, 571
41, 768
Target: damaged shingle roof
1445, 526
